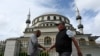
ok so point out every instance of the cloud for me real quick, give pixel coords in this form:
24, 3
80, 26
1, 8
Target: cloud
96, 24
90, 11
13, 14
88, 4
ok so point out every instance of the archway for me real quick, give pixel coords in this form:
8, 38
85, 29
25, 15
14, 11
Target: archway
47, 41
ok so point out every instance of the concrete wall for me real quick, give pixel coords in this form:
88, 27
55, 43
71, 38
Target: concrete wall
93, 51
11, 48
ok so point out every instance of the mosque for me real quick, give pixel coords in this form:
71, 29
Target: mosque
46, 23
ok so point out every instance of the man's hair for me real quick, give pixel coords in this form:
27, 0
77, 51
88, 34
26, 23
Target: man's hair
61, 22
37, 31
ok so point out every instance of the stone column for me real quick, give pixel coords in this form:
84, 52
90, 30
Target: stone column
12, 47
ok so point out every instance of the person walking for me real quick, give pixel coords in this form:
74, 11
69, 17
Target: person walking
33, 44
64, 40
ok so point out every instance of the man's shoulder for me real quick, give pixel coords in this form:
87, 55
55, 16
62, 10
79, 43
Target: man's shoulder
70, 33
33, 35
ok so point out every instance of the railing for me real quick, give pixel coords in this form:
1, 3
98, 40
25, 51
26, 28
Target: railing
24, 46
42, 53
23, 49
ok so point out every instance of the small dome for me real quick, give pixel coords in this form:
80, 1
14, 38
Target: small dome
28, 21
80, 26
78, 17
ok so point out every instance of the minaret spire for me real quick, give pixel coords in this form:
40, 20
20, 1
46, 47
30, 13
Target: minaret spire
29, 14
28, 21
77, 10
79, 18
78, 14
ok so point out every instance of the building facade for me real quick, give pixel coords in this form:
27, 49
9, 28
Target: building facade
46, 23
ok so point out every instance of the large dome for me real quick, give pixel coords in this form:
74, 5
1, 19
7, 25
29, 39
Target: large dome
49, 20
47, 23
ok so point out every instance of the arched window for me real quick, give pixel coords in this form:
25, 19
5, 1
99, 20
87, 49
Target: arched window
54, 17
48, 17
60, 19
47, 24
47, 41
82, 41
50, 24
91, 42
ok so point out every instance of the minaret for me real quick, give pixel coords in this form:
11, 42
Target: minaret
28, 20
79, 18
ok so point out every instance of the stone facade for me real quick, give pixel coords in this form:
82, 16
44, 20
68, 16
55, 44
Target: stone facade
46, 23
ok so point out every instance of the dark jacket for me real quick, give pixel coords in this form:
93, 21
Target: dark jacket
63, 42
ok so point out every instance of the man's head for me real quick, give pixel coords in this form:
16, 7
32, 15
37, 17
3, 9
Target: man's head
61, 25
38, 33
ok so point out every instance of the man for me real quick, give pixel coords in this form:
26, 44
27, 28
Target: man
33, 44
64, 40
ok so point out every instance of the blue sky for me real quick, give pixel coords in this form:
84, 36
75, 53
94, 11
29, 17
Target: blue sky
62, 6
13, 14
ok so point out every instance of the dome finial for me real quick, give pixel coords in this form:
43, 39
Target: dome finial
77, 10
28, 19
78, 18
78, 14
29, 14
